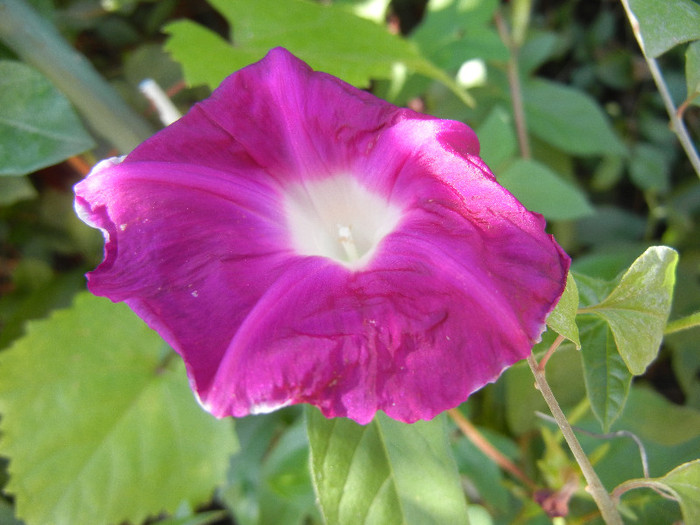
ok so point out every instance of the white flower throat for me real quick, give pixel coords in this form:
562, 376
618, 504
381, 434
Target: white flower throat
338, 218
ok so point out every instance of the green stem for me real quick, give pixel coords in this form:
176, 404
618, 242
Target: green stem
684, 323
37, 42
605, 504
677, 124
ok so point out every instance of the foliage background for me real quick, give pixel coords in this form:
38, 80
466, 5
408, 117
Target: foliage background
98, 425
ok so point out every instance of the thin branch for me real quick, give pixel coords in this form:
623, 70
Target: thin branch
515, 88
605, 504
471, 432
677, 125
543, 362
611, 435
639, 484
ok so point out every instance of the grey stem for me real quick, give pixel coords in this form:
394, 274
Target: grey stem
37, 42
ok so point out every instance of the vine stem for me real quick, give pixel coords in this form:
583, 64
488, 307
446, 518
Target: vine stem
677, 124
605, 504
515, 88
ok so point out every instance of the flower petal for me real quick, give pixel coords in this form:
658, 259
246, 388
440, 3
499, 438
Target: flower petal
189, 251
455, 285
443, 308
277, 114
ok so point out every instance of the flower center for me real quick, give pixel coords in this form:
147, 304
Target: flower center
338, 218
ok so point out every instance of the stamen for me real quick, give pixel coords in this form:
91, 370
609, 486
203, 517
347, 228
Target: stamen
347, 242
338, 218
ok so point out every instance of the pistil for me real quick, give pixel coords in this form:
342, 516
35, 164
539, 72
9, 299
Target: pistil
347, 242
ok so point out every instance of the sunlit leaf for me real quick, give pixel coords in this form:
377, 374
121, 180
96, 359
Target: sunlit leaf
666, 23
384, 473
568, 119
38, 126
563, 318
98, 427
354, 49
606, 375
542, 191
206, 58
375, 10
638, 308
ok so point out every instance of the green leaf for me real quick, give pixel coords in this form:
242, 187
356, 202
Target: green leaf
15, 189
269, 480
453, 31
692, 72
605, 373
638, 308
607, 174
206, 58
563, 318
385, 472
483, 472
539, 47
90, 412
568, 119
611, 226
655, 419
497, 138
542, 191
354, 49
666, 23
649, 168
681, 484
38, 126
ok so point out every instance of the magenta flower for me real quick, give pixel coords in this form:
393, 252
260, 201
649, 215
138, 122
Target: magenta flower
298, 240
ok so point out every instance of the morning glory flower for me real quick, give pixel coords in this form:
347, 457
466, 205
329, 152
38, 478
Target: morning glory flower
297, 240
